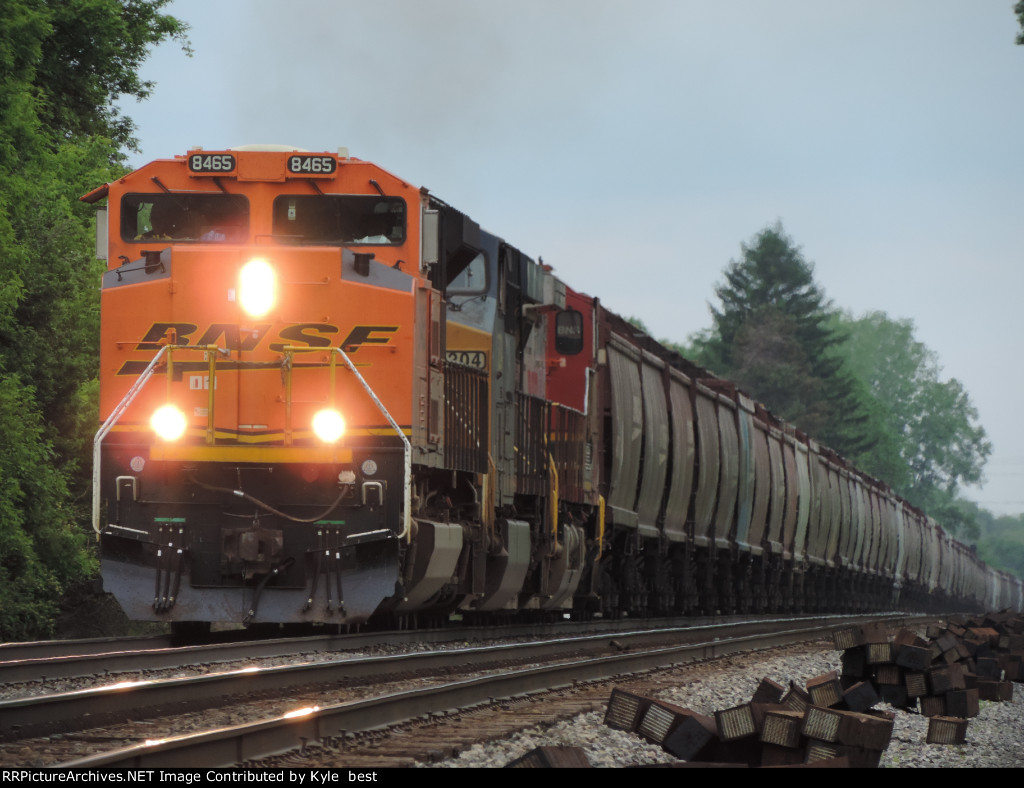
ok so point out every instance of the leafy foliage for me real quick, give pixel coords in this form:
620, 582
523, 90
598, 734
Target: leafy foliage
1001, 541
91, 56
935, 442
40, 547
772, 336
63, 63
1019, 11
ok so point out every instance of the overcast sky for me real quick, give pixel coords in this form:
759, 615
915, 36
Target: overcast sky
636, 144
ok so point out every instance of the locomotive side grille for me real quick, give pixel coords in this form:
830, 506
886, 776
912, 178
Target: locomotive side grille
567, 446
531, 449
465, 422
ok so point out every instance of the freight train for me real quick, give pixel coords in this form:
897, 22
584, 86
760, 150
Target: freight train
328, 396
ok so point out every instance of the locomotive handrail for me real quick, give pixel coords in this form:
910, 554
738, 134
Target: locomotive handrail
133, 392
143, 378
407, 467
112, 419
407, 470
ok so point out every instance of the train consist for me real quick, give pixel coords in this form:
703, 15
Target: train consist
328, 396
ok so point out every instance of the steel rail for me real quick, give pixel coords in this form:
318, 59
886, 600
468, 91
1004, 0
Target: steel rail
51, 659
54, 659
43, 650
36, 712
238, 744
47, 660
39, 714
108, 657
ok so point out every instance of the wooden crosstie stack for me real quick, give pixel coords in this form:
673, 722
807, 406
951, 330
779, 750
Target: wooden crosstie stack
831, 720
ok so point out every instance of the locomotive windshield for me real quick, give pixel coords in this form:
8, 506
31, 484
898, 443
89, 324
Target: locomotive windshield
339, 219
207, 218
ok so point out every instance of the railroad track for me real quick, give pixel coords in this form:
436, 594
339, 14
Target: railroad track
307, 712
49, 660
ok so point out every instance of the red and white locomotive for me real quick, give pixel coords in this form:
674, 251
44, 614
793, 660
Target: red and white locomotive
327, 396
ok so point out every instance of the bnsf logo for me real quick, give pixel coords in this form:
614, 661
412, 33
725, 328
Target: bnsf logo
231, 337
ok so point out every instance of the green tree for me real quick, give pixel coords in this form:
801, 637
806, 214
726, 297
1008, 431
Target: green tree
63, 64
772, 337
41, 549
939, 443
1001, 541
92, 56
1019, 11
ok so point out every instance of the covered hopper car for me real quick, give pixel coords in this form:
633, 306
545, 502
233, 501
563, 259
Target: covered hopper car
329, 397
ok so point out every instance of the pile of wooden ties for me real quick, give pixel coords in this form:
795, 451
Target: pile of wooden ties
832, 720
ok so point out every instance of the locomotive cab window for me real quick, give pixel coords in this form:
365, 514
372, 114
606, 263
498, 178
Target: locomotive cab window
204, 218
569, 332
349, 219
472, 280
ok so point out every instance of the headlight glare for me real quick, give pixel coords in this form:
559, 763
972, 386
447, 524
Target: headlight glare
257, 286
329, 425
168, 422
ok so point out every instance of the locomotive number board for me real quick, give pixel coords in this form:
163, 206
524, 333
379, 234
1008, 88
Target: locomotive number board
297, 165
211, 163
467, 358
305, 164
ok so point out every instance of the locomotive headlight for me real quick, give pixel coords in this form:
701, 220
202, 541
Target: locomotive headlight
257, 288
329, 425
168, 422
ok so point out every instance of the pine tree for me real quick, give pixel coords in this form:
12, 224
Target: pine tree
772, 337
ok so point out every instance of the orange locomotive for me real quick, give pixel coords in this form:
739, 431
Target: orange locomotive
293, 430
